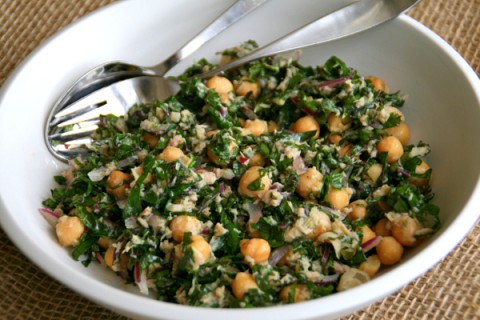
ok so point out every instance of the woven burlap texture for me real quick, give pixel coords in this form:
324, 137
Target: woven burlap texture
451, 290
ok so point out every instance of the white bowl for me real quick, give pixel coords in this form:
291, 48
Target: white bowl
443, 109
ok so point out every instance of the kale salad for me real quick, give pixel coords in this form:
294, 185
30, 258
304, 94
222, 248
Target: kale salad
271, 183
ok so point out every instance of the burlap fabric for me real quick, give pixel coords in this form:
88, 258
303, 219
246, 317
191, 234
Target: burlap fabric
451, 290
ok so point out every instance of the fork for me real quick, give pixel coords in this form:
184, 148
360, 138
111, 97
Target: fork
83, 115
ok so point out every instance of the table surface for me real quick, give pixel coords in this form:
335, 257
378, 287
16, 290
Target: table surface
450, 290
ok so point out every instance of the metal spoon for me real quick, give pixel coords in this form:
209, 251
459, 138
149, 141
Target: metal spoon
83, 115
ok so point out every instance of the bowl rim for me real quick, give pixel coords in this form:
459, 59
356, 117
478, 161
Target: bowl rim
109, 296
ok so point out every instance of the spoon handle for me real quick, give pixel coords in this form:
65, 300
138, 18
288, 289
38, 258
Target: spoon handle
234, 13
353, 18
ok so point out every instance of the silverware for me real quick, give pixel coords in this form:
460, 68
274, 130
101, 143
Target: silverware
115, 71
83, 115
111, 72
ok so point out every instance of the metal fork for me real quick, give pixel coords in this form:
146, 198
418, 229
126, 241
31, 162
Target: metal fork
83, 115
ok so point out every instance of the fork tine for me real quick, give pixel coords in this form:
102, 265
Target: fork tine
89, 107
94, 98
82, 129
74, 148
87, 113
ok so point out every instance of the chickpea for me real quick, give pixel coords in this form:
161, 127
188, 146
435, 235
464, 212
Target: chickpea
201, 250
389, 251
181, 224
351, 278
335, 139
368, 234
251, 175
387, 111
103, 242
378, 83
392, 146
256, 127
242, 283
305, 124
374, 172
309, 183
321, 223
345, 149
124, 261
401, 132
358, 210
109, 259
170, 154
150, 139
69, 230
212, 133
404, 229
116, 184
338, 198
109, 256
245, 87
383, 228
138, 171
255, 250
371, 265
222, 86
257, 159
272, 126
215, 159
420, 169
301, 293
337, 124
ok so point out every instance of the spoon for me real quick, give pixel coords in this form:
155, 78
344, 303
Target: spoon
84, 114
111, 72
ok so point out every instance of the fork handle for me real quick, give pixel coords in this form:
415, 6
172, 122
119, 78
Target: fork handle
351, 19
234, 13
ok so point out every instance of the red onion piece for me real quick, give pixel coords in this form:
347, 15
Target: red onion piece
326, 254
372, 243
99, 259
299, 165
242, 159
121, 203
404, 172
116, 253
131, 223
333, 83
277, 255
223, 112
254, 210
221, 188
140, 277
340, 215
128, 161
329, 279
50, 215
98, 174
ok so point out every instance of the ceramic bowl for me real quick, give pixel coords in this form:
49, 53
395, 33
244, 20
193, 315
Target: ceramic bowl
443, 109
